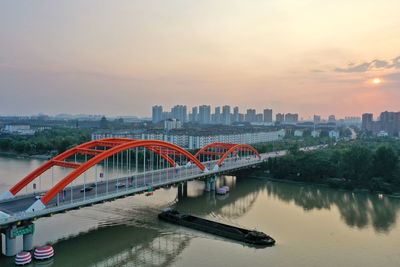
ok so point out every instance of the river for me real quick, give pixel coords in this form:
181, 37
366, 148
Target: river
313, 226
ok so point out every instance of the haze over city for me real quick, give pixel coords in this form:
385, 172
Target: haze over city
94, 57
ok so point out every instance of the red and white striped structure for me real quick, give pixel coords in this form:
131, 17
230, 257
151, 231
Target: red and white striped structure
23, 258
43, 253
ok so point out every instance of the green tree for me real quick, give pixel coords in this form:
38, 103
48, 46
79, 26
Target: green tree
294, 149
5, 144
357, 163
385, 162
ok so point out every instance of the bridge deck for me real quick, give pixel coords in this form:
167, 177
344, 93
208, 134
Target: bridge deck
108, 190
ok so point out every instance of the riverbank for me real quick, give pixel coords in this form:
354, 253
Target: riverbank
24, 155
362, 165
256, 174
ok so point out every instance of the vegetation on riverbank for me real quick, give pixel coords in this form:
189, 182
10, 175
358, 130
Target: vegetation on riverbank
361, 164
46, 142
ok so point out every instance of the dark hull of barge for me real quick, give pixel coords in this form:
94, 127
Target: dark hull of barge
251, 237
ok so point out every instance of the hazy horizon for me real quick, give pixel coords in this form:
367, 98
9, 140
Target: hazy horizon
123, 57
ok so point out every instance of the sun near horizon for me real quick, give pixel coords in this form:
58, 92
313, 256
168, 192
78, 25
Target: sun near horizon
377, 81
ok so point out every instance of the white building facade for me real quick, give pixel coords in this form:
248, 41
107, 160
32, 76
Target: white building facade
199, 141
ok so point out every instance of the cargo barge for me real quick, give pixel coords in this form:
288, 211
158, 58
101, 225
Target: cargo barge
252, 237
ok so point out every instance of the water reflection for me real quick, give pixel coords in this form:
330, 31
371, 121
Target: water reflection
233, 205
356, 209
127, 232
122, 246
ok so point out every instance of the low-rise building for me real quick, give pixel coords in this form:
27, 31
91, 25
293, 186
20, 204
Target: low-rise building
382, 134
19, 129
298, 133
334, 134
315, 133
172, 124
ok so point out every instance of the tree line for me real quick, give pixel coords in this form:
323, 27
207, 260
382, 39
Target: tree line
45, 142
372, 165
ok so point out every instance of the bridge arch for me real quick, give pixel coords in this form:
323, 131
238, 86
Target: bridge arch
235, 149
51, 163
216, 145
108, 153
85, 148
223, 150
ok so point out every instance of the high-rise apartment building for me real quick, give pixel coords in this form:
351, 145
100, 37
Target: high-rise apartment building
226, 115
250, 115
205, 114
236, 116
259, 118
367, 121
291, 118
280, 117
390, 122
157, 112
194, 117
217, 115
332, 118
317, 119
268, 115
179, 112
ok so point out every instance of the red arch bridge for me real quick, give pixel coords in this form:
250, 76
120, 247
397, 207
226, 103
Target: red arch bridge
107, 169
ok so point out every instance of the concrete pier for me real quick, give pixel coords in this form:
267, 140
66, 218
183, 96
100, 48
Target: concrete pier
10, 244
182, 190
24, 230
28, 242
210, 184
1, 243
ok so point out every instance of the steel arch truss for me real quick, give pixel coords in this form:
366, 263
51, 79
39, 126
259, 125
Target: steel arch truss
222, 151
98, 150
237, 151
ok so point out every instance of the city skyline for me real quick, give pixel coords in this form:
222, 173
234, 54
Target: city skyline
235, 110
226, 114
121, 59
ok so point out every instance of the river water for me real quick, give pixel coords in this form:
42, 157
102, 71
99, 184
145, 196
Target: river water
313, 226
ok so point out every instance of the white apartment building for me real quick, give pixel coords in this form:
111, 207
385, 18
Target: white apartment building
19, 129
199, 141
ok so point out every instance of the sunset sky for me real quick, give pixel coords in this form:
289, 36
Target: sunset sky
122, 57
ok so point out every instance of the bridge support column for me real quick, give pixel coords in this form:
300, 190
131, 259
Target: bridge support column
28, 242
10, 244
210, 184
184, 189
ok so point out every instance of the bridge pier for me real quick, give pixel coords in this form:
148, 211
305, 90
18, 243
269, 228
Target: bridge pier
26, 229
10, 243
210, 184
27, 242
182, 190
